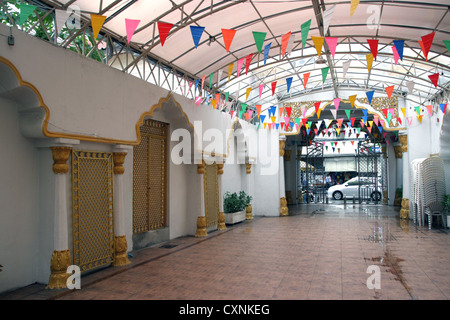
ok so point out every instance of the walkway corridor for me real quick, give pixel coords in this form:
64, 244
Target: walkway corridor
316, 252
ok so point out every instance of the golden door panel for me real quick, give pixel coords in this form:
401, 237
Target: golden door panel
149, 178
92, 209
211, 195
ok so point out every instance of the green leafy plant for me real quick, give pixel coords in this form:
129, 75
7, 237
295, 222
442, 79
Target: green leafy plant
233, 202
399, 192
446, 204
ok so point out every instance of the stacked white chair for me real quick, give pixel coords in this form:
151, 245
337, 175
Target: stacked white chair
434, 188
417, 193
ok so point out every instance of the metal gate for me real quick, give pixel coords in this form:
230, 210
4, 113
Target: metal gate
211, 188
92, 209
372, 172
311, 174
149, 178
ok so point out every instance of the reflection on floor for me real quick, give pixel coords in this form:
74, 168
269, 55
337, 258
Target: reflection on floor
317, 252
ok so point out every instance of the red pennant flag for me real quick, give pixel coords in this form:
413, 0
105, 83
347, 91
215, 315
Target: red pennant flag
434, 79
288, 111
304, 121
353, 121
426, 44
399, 120
274, 85
305, 78
228, 35
248, 60
373, 47
164, 29
317, 105
284, 43
385, 111
389, 91
231, 113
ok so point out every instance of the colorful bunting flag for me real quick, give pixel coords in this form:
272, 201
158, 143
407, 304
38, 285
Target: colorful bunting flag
239, 66
399, 45
228, 35
318, 43
443, 107
434, 79
427, 41
261, 88
288, 83
373, 44
248, 60
97, 23
337, 102
332, 43
347, 112
25, 11
447, 44
196, 32
369, 59
266, 51
410, 86
284, 43
352, 100
163, 29
230, 70
325, 73
327, 16
249, 89
305, 78
430, 109
259, 39
305, 31
403, 111
274, 85
61, 17
258, 110
396, 55
353, 5
345, 67
389, 91
370, 96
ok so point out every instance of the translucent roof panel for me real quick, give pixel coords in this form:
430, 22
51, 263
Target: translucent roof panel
385, 21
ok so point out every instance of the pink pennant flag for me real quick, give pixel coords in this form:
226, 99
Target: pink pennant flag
336, 102
286, 121
198, 100
131, 26
203, 81
396, 55
382, 122
240, 63
332, 43
375, 119
250, 112
409, 120
430, 110
261, 88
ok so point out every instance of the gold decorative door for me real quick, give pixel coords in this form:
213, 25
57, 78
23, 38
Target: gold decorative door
211, 188
149, 178
92, 209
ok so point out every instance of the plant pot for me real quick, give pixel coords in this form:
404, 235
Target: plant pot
234, 217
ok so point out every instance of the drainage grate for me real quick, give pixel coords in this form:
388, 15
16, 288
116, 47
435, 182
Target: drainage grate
168, 246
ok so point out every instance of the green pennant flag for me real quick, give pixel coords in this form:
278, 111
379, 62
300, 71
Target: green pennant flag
259, 123
259, 39
309, 124
447, 44
347, 112
359, 130
211, 80
243, 106
417, 110
305, 31
226, 96
325, 73
389, 117
240, 114
25, 11
297, 121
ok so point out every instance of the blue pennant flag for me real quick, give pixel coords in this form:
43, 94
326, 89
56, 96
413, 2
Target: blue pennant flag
370, 96
196, 85
443, 107
380, 128
196, 32
266, 52
399, 44
289, 82
365, 119
272, 111
277, 125
262, 117
292, 125
307, 131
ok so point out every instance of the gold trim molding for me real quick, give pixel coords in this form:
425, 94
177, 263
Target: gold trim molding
58, 265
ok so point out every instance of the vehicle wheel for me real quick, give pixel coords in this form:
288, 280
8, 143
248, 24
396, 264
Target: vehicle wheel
376, 196
337, 195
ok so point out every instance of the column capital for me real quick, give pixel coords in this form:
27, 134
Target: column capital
398, 152
282, 145
248, 167
60, 156
119, 160
404, 141
201, 167
220, 168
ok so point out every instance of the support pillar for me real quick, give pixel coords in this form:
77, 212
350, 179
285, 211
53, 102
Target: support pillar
201, 220
120, 239
399, 174
404, 211
221, 221
283, 203
61, 258
249, 209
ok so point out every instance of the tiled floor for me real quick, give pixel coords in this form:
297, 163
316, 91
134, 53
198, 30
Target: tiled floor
317, 252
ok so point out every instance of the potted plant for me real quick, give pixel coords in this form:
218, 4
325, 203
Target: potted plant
234, 206
446, 204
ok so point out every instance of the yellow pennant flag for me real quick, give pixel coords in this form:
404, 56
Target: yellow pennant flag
369, 59
318, 113
370, 123
403, 111
213, 102
97, 23
352, 100
230, 70
318, 43
273, 119
353, 6
338, 131
248, 92
420, 118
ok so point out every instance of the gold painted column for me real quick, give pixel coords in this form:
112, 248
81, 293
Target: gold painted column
283, 202
61, 258
249, 209
404, 211
399, 174
221, 220
201, 220
120, 239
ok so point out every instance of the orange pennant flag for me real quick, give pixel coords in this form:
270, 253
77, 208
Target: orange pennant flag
318, 43
305, 78
284, 43
258, 109
97, 23
228, 35
420, 118
389, 91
